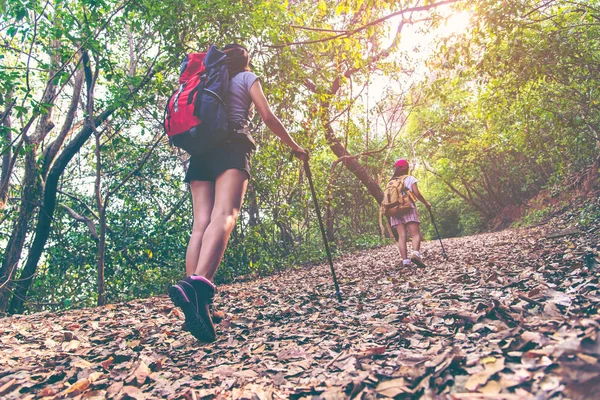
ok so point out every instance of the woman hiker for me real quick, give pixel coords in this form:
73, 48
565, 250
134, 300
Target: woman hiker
218, 181
410, 220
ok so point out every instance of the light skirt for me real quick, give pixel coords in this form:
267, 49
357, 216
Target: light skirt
412, 216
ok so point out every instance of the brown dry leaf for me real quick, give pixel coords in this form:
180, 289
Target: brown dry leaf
225, 371
259, 349
392, 388
106, 363
114, 389
549, 383
535, 337
333, 394
133, 392
70, 346
509, 380
371, 352
95, 395
588, 359
80, 363
140, 374
78, 387
492, 387
47, 391
247, 373
94, 376
551, 310
491, 366
559, 298
8, 386
418, 333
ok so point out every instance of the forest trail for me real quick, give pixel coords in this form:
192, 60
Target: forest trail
511, 315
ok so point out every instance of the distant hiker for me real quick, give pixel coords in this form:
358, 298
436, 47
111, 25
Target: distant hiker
399, 205
218, 180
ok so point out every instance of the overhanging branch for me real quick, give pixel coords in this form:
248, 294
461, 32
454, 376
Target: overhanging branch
351, 32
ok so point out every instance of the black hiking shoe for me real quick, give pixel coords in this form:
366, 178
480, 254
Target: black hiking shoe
194, 297
417, 261
217, 317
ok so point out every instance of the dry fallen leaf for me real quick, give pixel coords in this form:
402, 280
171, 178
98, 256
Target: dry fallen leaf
491, 366
78, 387
133, 392
371, 352
392, 388
484, 322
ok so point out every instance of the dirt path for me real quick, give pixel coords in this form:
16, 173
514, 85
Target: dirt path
512, 314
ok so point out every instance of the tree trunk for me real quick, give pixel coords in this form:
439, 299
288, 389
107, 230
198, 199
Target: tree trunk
354, 166
54, 147
102, 216
31, 187
329, 214
7, 155
30, 196
101, 256
46, 212
12, 254
253, 213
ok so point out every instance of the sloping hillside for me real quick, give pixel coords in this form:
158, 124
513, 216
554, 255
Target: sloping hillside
512, 314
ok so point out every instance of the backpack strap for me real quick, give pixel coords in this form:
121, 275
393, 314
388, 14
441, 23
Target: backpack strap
411, 195
382, 220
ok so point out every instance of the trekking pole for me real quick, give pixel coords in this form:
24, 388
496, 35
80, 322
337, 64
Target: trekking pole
314, 196
438, 233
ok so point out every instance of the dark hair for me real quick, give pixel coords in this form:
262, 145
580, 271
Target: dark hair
238, 59
400, 171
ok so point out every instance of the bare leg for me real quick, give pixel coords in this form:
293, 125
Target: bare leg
203, 197
415, 233
230, 188
401, 240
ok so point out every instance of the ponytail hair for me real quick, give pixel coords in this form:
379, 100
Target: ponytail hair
237, 60
401, 171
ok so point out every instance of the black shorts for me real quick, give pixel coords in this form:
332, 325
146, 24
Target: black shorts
233, 154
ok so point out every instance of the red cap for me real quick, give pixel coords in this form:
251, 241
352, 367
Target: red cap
401, 163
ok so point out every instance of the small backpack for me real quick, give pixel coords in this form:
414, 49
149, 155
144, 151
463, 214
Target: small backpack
196, 114
397, 199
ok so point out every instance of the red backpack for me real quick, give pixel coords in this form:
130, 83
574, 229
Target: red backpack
196, 113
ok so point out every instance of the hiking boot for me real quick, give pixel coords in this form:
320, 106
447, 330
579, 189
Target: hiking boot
194, 296
217, 317
417, 261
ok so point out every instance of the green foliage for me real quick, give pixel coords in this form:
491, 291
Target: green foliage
535, 217
512, 108
590, 214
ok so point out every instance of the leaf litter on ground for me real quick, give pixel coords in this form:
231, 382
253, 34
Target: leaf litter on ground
511, 315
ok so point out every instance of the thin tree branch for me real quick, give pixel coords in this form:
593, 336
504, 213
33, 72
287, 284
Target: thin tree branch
87, 221
306, 28
372, 23
135, 170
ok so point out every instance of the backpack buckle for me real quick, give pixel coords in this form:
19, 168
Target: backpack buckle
176, 100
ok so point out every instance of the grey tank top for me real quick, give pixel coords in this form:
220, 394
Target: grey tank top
240, 107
